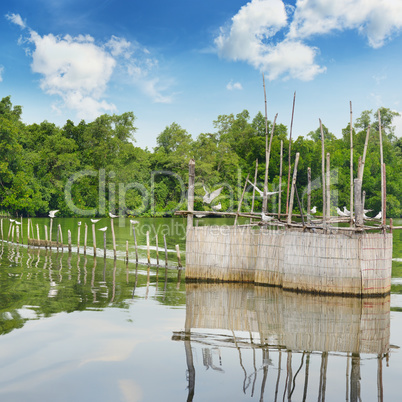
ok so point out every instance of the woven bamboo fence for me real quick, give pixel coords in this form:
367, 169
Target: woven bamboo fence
296, 321
348, 264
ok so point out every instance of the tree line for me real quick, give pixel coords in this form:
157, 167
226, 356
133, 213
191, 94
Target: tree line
38, 161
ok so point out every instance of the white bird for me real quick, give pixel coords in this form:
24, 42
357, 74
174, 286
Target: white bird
12, 220
266, 218
79, 223
365, 216
367, 210
340, 213
95, 220
269, 193
133, 222
313, 210
199, 216
378, 216
17, 223
103, 229
113, 216
346, 212
209, 197
217, 207
52, 214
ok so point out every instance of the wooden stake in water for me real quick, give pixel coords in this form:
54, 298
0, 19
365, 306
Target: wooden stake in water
135, 245
78, 238
12, 234
85, 238
113, 237
17, 234
292, 191
94, 238
69, 240
61, 237
148, 251
241, 200
351, 209
50, 232
178, 256
328, 184
309, 194
37, 233
32, 230
57, 239
46, 236
28, 229
1, 225
22, 232
9, 231
280, 182
255, 185
190, 197
157, 250
324, 205
104, 244
126, 250
166, 252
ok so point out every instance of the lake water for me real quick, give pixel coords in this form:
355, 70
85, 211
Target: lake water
81, 328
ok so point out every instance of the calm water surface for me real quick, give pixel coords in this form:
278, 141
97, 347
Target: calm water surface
81, 328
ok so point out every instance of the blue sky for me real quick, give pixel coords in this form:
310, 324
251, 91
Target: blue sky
188, 61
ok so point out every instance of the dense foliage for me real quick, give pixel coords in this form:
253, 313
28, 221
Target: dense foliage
93, 168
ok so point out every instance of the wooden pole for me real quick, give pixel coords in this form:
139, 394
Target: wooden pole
382, 169
384, 196
361, 170
135, 245
57, 239
28, 229
9, 230
12, 234
78, 239
328, 183
37, 233
1, 224
69, 240
94, 238
85, 238
280, 182
267, 158
32, 230
104, 244
190, 197
324, 207
113, 237
255, 184
358, 202
351, 165
50, 232
46, 237
178, 256
17, 234
166, 252
22, 231
292, 192
241, 200
157, 250
289, 156
126, 250
61, 237
309, 194
148, 251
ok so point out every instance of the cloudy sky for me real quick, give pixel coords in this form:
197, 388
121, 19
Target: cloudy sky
189, 61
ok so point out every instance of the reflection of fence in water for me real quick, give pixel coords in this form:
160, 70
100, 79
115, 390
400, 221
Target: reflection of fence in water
285, 321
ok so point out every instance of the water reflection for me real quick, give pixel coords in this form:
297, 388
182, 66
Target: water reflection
282, 342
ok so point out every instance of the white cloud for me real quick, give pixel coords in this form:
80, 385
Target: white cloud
377, 20
251, 37
1, 73
16, 19
233, 85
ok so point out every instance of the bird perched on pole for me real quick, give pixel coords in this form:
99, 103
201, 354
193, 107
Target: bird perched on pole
313, 210
95, 220
340, 213
103, 229
346, 212
113, 216
378, 216
217, 207
266, 218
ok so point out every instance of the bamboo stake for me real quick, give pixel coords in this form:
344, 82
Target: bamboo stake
69, 240
358, 202
94, 238
135, 245
309, 194
85, 238
37, 232
267, 158
104, 244
351, 209
46, 236
178, 256
290, 153
57, 239
12, 234
113, 237
78, 239
32, 230
384, 196
9, 231
324, 207
166, 252
22, 231
255, 184
157, 250
17, 234
28, 229
361, 171
241, 200
292, 192
280, 182
1, 225
148, 251
61, 237
328, 183
190, 197
50, 233
382, 168
126, 250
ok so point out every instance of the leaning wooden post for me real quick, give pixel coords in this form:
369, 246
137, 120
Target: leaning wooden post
384, 196
308, 194
289, 156
292, 191
85, 238
280, 182
148, 251
361, 170
113, 237
178, 256
267, 158
324, 205
241, 200
61, 237
135, 245
94, 238
69, 240
46, 237
358, 202
255, 185
190, 196
351, 166
328, 183
9, 230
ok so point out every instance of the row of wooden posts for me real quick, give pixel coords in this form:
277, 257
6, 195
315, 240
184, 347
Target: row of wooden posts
357, 196
48, 243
